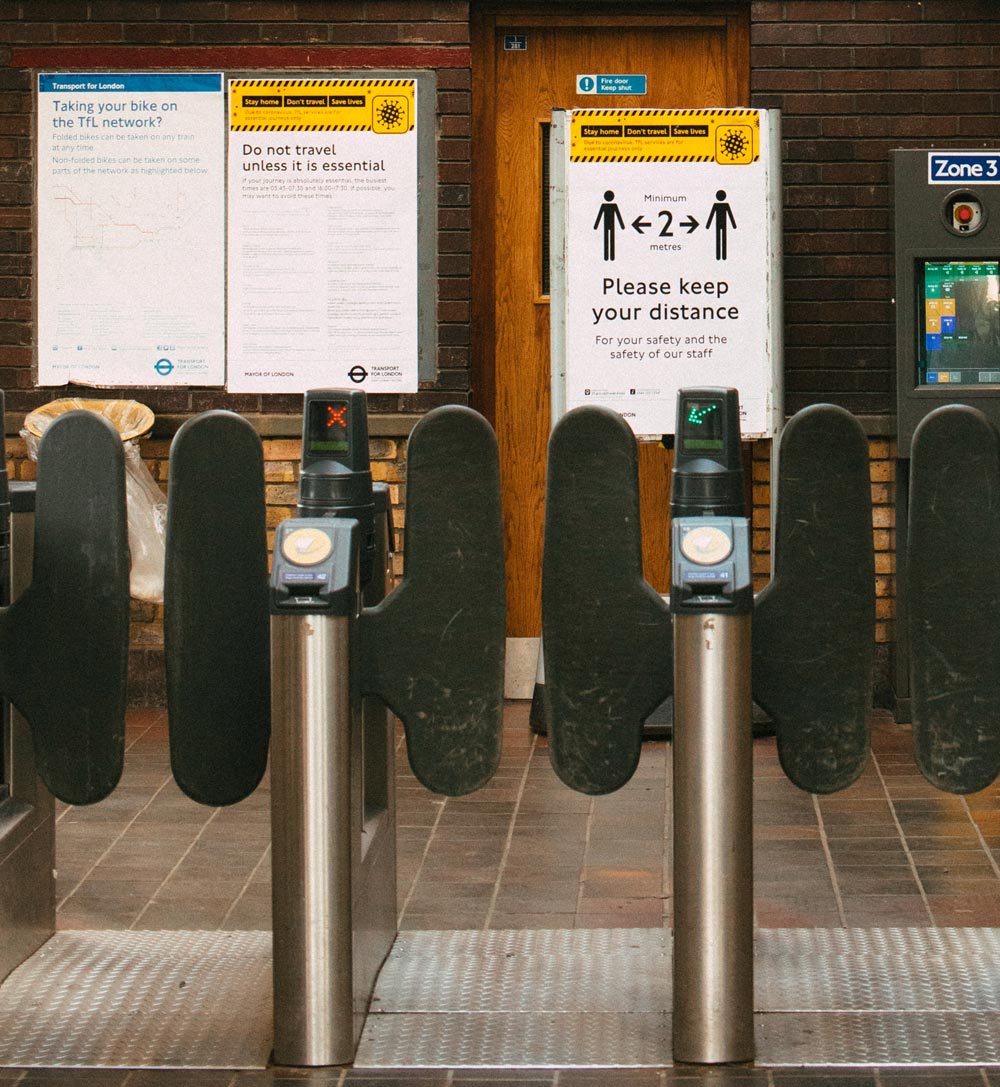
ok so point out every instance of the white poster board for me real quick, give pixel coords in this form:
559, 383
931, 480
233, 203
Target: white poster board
322, 246
131, 227
671, 250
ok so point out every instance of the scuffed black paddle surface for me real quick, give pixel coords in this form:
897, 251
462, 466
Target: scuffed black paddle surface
433, 650
814, 624
954, 598
64, 642
216, 620
607, 634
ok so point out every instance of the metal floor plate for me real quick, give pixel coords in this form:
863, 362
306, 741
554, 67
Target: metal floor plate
602, 997
534, 999
139, 999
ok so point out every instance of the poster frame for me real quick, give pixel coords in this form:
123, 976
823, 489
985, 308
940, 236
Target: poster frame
559, 152
426, 196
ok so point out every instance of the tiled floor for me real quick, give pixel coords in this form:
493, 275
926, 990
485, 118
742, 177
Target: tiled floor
525, 852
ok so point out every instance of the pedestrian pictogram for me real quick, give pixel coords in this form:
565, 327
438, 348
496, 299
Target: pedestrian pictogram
722, 217
609, 215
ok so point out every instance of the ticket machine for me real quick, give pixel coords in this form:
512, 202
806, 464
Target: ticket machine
947, 230
947, 248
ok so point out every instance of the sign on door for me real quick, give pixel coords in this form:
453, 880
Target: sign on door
672, 273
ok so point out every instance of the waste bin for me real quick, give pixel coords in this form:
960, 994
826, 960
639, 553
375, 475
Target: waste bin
147, 505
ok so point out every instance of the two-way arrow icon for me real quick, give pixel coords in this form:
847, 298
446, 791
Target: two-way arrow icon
640, 225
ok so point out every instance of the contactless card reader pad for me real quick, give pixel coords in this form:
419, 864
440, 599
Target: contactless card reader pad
316, 566
710, 564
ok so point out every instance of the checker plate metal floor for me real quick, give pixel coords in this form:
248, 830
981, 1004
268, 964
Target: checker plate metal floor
139, 999
586, 997
542, 998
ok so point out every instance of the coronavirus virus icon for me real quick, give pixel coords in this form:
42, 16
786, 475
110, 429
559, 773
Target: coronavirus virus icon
734, 145
390, 114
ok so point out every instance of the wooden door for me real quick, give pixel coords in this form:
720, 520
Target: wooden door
695, 59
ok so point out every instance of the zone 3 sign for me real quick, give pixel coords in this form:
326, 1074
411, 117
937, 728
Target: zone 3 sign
947, 168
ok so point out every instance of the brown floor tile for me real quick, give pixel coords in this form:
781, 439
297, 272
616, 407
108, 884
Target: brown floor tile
965, 909
861, 828
621, 913
933, 1077
952, 858
602, 883
873, 911
786, 833
525, 920
796, 1077
872, 881
877, 854
76, 916
985, 884
206, 916
823, 914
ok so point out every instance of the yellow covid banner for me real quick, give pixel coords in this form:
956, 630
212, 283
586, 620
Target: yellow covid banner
728, 137
382, 106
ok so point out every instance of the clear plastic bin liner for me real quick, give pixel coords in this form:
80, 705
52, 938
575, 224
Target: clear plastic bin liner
146, 503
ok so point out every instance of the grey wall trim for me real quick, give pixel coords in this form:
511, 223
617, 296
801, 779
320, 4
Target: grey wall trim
878, 426
289, 425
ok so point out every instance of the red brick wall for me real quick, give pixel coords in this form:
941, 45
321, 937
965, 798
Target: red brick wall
855, 79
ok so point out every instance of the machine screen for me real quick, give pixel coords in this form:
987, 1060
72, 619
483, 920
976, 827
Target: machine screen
702, 427
959, 329
329, 431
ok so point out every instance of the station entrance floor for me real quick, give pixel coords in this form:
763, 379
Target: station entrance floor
534, 933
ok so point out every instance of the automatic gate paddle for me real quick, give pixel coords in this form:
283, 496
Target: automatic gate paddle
814, 624
64, 641
215, 622
607, 658
954, 597
433, 651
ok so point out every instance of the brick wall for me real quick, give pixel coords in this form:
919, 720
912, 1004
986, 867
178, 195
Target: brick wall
855, 79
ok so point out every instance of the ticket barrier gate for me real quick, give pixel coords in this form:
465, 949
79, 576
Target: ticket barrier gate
431, 650
613, 655
65, 570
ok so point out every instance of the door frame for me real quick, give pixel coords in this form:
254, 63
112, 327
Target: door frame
484, 18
